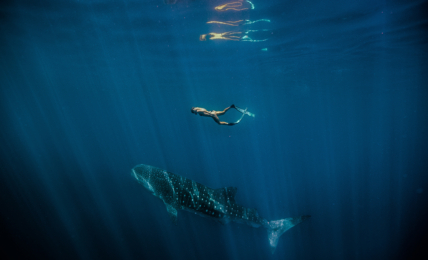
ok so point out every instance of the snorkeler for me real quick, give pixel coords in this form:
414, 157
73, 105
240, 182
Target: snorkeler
215, 114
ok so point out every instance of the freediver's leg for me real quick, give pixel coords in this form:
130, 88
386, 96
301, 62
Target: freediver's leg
217, 120
220, 113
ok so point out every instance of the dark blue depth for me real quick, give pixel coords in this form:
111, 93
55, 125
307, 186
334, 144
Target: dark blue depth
90, 89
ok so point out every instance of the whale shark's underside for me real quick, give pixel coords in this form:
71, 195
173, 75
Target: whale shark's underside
178, 192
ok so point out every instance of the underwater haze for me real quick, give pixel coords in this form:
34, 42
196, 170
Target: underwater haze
90, 89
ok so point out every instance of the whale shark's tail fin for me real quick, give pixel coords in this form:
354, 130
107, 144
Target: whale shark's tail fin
276, 228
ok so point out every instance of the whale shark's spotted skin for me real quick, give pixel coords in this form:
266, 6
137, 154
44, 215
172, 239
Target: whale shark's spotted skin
182, 193
178, 192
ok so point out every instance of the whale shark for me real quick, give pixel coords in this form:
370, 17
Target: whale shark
178, 192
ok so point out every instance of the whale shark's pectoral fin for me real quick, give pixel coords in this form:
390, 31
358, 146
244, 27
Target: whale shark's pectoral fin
231, 192
172, 212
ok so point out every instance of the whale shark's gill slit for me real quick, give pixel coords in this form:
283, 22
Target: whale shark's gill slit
171, 184
148, 182
194, 193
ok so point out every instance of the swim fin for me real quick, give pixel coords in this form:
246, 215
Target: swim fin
240, 119
245, 112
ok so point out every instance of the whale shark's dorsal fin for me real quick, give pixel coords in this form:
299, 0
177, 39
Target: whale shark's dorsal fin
231, 192
172, 212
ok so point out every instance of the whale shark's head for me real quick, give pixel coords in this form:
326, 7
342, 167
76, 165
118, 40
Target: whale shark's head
143, 174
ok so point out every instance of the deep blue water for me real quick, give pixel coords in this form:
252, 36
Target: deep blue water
89, 89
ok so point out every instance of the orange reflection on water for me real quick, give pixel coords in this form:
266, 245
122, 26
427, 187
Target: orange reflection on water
232, 23
235, 6
231, 36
